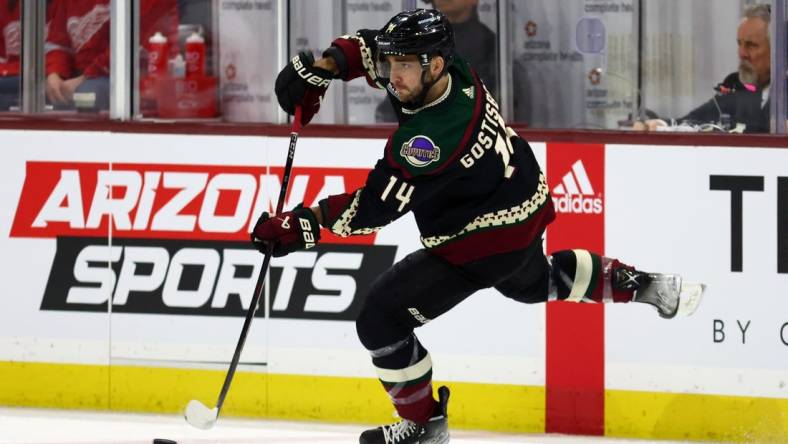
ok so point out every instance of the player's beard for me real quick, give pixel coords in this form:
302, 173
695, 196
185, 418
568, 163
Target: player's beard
747, 74
407, 96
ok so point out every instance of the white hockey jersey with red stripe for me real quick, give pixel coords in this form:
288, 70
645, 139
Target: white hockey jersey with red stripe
79, 34
10, 40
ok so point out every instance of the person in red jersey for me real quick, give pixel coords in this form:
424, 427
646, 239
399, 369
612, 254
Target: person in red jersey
11, 52
78, 46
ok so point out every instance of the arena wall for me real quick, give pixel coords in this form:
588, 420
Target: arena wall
158, 223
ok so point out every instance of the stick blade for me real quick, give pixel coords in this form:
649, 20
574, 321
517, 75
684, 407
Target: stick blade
200, 416
689, 300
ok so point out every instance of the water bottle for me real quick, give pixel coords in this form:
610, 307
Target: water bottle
157, 55
195, 56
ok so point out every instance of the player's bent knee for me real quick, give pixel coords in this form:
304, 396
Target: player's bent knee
378, 324
365, 328
375, 325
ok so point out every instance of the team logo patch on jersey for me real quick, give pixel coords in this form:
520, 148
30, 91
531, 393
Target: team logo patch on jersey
420, 151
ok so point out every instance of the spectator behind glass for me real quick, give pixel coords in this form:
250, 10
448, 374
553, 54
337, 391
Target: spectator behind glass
743, 95
77, 48
10, 48
474, 41
10, 52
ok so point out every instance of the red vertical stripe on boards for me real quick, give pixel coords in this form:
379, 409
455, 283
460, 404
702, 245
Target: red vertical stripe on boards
575, 349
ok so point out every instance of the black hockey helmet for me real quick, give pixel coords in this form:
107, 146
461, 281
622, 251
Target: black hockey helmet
421, 32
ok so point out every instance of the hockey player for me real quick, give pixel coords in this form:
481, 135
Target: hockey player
480, 201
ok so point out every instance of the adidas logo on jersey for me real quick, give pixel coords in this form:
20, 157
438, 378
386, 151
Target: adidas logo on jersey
575, 194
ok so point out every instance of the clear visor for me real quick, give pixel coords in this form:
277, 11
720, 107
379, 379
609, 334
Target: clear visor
392, 65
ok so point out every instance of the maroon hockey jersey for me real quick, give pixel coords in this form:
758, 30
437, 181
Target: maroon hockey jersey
473, 185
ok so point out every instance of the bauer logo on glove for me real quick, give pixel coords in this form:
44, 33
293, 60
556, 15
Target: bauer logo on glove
301, 83
311, 77
287, 232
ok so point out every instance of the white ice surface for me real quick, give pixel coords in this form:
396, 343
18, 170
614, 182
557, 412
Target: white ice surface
37, 426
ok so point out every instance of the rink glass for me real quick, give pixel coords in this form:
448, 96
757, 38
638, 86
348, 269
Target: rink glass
583, 65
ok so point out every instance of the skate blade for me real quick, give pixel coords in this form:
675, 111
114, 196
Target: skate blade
690, 297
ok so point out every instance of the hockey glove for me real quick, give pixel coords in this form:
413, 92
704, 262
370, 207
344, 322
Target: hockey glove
300, 83
287, 232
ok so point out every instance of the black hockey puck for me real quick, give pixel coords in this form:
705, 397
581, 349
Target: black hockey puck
163, 441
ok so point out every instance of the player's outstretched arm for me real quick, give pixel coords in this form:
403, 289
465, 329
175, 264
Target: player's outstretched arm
386, 196
304, 81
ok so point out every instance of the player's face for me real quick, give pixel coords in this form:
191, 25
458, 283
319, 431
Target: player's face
405, 76
754, 51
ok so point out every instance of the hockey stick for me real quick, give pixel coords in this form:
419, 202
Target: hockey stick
198, 414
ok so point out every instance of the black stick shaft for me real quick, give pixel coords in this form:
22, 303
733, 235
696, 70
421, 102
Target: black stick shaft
228, 379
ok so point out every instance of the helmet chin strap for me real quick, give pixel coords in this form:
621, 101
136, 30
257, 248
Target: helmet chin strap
418, 102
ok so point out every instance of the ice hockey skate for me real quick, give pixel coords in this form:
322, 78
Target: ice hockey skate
435, 431
667, 292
